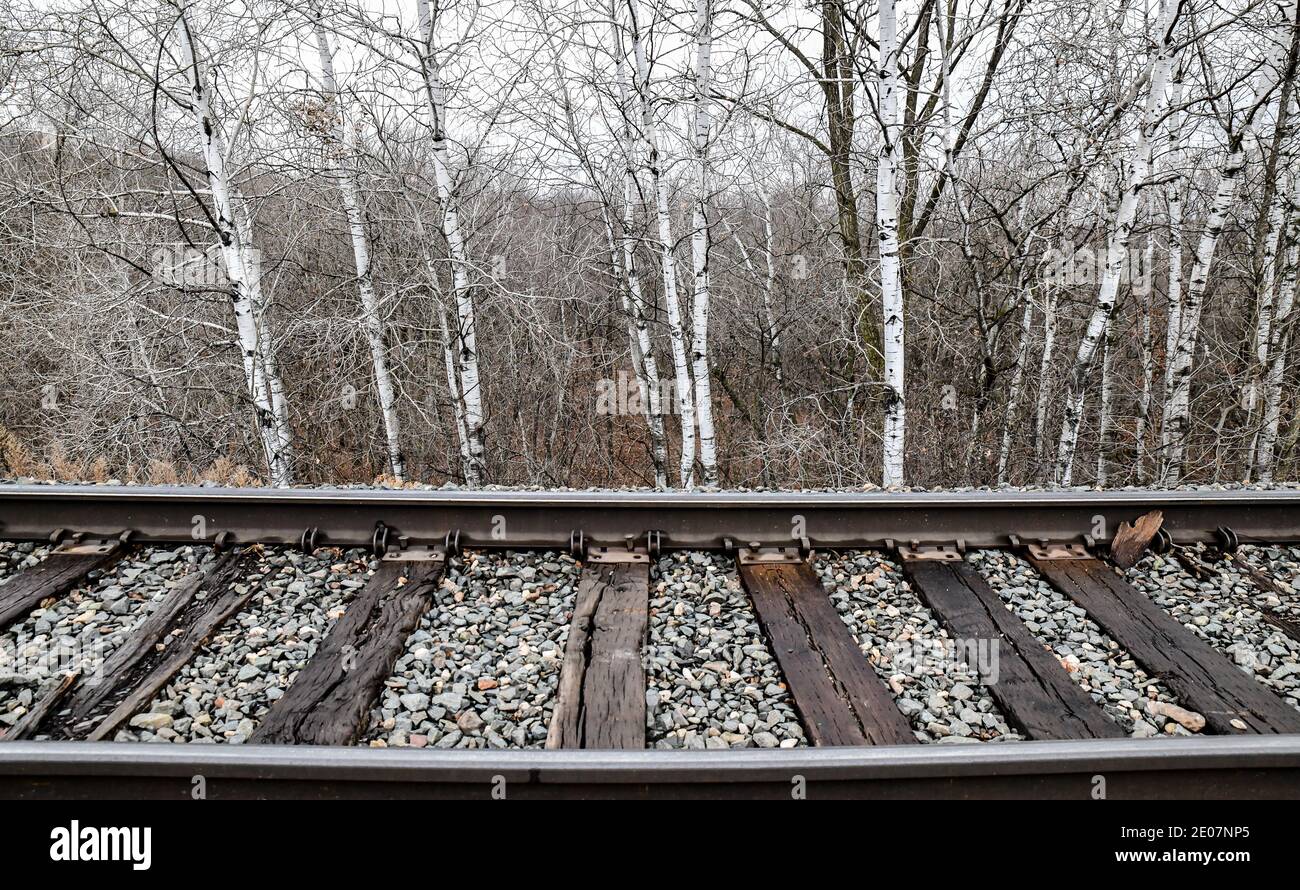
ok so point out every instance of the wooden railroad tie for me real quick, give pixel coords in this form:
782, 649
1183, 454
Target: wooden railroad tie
1203, 678
600, 702
1033, 690
838, 695
153, 653
55, 576
329, 702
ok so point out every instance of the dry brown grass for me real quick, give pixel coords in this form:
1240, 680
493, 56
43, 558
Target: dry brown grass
63, 467
388, 480
162, 472
219, 471
98, 471
240, 477
58, 464
15, 459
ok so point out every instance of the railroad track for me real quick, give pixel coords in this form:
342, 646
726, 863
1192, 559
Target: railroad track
893, 645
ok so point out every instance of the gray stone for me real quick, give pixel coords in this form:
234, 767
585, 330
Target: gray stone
414, 701
152, 722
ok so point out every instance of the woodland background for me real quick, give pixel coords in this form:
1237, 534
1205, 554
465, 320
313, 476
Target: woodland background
563, 242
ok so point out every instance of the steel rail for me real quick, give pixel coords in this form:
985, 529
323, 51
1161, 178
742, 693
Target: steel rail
524, 520
1201, 768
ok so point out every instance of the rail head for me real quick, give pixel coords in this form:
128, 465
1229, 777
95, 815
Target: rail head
674, 520
1058, 769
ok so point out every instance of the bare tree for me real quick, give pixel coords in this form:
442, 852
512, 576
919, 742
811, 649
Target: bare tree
470, 392
1121, 232
1278, 65
234, 230
667, 258
702, 126
891, 281
843, 243
340, 141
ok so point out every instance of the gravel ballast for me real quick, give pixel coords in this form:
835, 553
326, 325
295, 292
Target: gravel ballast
936, 690
1282, 564
79, 631
482, 667
1093, 659
1221, 609
223, 692
711, 680
18, 555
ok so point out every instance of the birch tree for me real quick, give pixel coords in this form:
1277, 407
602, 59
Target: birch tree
471, 394
1270, 229
341, 144
891, 284
1174, 208
1147, 373
1280, 332
1117, 248
1043, 401
1278, 64
621, 241
234, 231
1105, 401
635, 305
702, 126
667, 259
769, 285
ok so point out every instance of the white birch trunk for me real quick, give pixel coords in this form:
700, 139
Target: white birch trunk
1175, 422
1117, 248
448, 344
1103, 407
1017, 386
633, 297
233, 229
769, 288
462, 291
701, 133
453, 385
672, 306
1174, 198
1176, 419
1044, 375
1279, 340
1148, 378
641, 332
891, 285
1265, 300
371, 319
1264, 309
253, 275
627, 280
